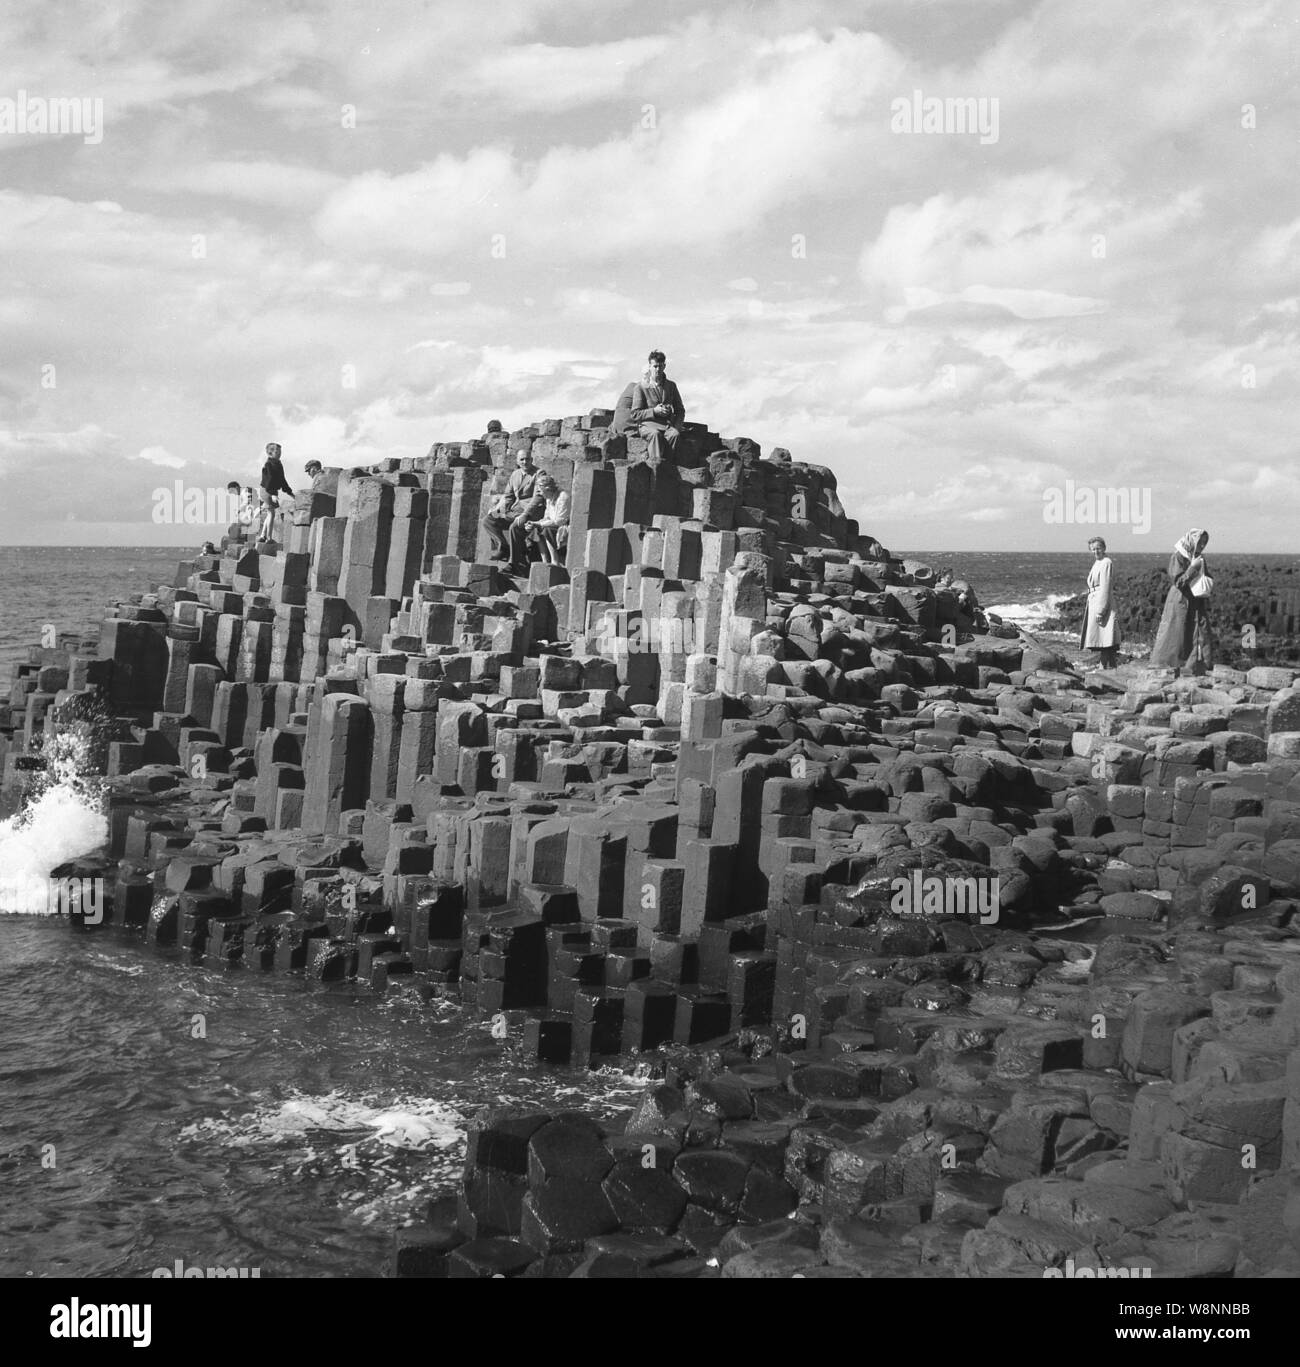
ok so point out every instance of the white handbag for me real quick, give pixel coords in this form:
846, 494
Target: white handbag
1201, 587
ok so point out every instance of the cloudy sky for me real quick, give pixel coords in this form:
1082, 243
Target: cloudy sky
358, 228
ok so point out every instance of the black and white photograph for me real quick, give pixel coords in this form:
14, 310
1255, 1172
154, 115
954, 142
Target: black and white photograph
649, 639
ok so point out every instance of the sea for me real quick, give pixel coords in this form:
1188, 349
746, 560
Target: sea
70, 586
153, 1112
1027, 587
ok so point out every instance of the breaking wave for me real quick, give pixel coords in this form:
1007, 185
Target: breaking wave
62, 818
1030, 615
406, 1123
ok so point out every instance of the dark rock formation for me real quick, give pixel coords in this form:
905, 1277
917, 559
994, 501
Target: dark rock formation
970, 967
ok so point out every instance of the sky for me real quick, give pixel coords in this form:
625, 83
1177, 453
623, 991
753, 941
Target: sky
360, 228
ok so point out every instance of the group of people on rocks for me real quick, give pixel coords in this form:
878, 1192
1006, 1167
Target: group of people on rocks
532, 511
1183, 639
529, 520
263, 504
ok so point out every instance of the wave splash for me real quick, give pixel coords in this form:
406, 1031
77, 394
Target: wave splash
62, 818
406, 1123
1030, 615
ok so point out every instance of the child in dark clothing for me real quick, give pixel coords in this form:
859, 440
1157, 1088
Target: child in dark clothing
273, 483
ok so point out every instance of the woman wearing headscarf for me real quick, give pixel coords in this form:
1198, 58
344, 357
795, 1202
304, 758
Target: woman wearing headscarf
1100, 624
1183, 640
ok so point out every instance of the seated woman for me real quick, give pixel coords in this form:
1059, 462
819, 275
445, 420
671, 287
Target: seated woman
550, 532
970, 616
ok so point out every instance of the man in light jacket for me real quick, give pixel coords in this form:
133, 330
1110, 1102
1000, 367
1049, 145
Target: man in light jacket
511, 511
657, 409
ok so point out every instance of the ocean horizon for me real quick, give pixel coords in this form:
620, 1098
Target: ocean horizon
71, 587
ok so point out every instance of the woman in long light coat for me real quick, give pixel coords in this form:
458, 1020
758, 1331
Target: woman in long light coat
1101, 624
1183, 640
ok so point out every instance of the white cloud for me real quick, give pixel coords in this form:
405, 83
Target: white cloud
980, 326
1040, 245
769, 141
537, 76
259, 182
89, 439
159, 455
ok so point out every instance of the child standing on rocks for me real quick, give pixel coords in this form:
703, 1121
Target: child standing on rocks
273, 484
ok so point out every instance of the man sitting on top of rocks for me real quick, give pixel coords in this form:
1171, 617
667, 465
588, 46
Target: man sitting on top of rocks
657, 408
511, 511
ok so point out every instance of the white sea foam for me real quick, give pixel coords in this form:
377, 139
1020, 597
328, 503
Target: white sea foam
1030, 615
378, 1159
60, 821
407, 1123
132, 970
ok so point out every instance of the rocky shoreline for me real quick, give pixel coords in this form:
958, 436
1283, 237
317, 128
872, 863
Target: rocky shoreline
1113, 1096
688, 798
